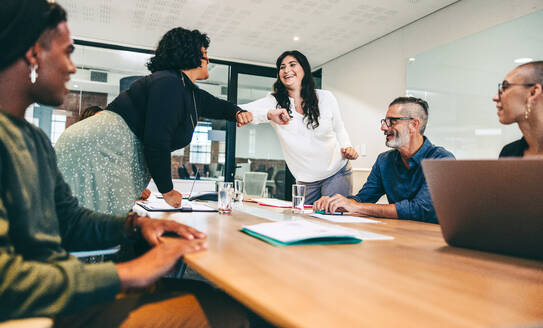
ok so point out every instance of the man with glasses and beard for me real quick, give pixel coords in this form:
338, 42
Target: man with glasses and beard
397, 172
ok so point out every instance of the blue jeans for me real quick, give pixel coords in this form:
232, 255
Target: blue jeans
339, 183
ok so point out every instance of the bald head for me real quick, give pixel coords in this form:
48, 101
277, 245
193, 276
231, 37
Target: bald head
532, 72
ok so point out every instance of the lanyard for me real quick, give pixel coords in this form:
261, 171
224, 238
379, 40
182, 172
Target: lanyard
194, 100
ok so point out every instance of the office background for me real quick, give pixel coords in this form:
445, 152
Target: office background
451, 53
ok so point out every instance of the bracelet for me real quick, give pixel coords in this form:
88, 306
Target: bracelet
240, 111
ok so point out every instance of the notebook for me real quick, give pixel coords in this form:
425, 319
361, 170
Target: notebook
160, 205
489, 205
300, 232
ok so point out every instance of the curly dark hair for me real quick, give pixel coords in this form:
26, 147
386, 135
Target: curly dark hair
310, 104
178, 49
89, 111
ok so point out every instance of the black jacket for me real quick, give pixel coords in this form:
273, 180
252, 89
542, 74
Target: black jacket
159, 109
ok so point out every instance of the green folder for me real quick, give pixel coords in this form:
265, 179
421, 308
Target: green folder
305, 241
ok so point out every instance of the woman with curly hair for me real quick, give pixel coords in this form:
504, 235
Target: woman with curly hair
108, 159
309, 127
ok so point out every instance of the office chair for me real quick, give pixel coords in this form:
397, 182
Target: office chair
255, 183
279, 179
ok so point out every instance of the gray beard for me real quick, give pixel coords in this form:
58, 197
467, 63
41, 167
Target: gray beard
397, 141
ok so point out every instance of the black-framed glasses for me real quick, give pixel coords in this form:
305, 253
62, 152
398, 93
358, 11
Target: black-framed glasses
506, 85
390, 120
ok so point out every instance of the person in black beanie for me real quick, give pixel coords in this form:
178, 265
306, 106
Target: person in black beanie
40, 220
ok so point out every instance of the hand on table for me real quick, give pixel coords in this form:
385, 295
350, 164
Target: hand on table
173, 198
336, 203
153, 229
157, 262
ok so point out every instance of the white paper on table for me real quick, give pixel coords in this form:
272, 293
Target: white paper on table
199, 207
275, 202
366, 235
160, 204
362, 234
343, 218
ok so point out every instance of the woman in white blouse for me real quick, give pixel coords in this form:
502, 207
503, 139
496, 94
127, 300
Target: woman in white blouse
309, 127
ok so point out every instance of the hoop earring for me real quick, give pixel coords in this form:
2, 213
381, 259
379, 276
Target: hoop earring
528, 110
33, 73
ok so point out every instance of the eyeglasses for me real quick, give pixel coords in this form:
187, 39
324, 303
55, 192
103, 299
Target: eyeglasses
390, 121
506, 85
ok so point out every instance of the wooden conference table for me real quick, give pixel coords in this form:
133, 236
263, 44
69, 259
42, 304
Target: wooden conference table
415, 280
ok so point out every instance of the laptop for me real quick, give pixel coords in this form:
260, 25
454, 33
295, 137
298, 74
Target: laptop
489, 205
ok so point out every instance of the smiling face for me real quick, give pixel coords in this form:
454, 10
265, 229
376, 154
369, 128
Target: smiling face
54, 67
397, 135
291, 73
511, 103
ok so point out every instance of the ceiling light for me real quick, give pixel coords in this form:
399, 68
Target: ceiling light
76, 86
411, 59
523, 60
296, 38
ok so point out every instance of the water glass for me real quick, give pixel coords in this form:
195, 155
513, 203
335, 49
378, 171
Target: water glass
298, 198
238, 190
225, 197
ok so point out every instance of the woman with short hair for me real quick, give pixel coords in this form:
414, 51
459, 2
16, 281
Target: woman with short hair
520, 100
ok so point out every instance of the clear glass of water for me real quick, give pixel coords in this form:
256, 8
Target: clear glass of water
225, 197
238, 190
298, 198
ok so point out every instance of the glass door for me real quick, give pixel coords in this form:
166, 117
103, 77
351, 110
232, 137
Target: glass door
258, 152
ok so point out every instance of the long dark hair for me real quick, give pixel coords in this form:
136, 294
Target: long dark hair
310, 103
179, 48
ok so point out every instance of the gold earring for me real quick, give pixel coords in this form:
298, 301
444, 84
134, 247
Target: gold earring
528, 110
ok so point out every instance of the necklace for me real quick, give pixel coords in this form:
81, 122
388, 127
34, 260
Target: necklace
194, 101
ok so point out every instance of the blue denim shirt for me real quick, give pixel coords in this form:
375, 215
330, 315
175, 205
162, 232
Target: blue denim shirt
404, 187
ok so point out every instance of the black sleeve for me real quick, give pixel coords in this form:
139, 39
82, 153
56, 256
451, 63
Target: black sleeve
165, 108
216, 108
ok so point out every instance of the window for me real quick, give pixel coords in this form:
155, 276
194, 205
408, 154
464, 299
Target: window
200, 147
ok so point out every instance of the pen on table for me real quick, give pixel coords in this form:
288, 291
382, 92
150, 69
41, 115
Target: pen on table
323, 212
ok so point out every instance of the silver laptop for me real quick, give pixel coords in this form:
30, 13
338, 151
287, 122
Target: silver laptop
489, 205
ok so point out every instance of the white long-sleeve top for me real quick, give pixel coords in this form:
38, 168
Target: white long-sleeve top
311, 154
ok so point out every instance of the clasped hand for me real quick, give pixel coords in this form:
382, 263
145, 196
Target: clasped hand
243, 118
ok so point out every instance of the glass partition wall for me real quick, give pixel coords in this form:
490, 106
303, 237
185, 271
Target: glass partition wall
460, 78
215, 153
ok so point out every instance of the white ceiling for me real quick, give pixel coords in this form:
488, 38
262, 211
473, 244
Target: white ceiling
248, 30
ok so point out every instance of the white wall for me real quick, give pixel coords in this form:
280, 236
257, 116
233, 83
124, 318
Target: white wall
367, 79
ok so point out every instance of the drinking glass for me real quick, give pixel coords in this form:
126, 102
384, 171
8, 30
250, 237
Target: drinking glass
225, 197
238, 190
298, 198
